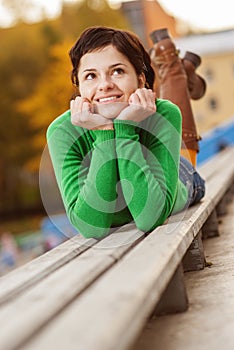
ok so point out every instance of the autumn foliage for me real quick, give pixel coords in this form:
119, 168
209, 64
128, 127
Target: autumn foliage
35, 88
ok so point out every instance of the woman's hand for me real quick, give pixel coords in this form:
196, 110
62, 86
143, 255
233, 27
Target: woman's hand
141, 106
81, 115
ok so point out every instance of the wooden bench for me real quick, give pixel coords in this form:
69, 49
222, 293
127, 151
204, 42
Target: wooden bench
97, 295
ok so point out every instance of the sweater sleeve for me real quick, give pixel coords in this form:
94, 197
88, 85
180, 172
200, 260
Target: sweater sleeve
87, 182
149, 170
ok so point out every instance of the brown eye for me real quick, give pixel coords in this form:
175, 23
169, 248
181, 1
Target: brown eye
90, 76
118, 71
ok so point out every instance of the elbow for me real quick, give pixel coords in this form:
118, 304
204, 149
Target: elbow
97, 233
88, 230
149, 225
150, 222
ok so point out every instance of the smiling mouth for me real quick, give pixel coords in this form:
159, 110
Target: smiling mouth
108, 99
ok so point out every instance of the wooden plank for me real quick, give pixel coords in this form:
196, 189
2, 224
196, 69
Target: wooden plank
120, 301
21, 278
138, 282
124, 297
217, 186
217, 162
209, 322
42, 302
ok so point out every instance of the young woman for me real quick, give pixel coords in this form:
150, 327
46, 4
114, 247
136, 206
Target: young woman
116, 152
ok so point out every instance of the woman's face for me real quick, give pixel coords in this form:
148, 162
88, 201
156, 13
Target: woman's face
106, 76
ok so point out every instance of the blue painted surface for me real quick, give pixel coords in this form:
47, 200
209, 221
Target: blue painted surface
213, 141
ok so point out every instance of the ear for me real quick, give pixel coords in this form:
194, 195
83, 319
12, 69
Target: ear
141, 80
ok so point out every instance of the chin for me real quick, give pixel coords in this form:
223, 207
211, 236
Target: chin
110, 110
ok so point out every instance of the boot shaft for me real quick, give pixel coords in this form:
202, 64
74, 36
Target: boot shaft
173, 83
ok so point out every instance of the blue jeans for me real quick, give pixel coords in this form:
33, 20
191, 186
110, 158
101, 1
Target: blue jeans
192, 180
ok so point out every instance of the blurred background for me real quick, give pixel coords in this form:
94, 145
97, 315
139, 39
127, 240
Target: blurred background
35, 87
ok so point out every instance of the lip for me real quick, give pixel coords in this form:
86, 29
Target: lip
108, 99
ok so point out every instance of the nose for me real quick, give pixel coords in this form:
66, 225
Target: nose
105, 83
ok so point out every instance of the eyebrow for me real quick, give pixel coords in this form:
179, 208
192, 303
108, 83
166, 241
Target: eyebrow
110, 67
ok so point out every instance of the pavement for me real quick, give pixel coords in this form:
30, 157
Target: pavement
209, 321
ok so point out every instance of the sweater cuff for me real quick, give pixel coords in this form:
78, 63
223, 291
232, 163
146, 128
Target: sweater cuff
103, 135
124, 127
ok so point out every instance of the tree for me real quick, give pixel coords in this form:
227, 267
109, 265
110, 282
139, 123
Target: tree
35, 88
50, 98
22, 60
77, 17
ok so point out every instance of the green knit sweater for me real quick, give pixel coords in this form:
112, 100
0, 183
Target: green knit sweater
108, 178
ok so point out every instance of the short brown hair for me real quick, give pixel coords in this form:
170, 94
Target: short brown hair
127, 43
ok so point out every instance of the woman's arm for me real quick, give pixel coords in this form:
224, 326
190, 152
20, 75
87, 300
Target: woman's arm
149, 170
86, 175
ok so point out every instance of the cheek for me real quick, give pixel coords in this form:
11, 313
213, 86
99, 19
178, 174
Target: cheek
132, 84
85, 91
129, 92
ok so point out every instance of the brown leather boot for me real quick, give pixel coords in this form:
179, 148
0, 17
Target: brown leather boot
196, 84
173, 83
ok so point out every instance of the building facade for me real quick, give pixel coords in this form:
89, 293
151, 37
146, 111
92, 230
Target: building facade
144, 16
217, 52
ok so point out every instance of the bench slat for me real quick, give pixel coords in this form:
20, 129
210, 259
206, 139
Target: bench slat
99, 294
25, 276
124, 296
40, 303
214, 164
20, 279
